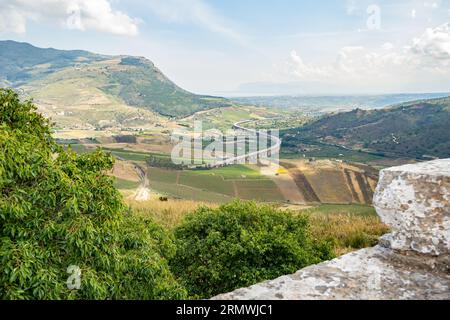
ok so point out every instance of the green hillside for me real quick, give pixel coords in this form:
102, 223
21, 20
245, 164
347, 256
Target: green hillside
22, 62
131, 81
417, 129
139, 83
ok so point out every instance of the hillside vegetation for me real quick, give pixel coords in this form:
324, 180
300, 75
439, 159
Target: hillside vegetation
418, 129
130, 81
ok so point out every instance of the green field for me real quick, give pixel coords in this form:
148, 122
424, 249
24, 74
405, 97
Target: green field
162, 175
188, 193
328, 151
216, 185
223, 119
233, 172
260, 190
122, 184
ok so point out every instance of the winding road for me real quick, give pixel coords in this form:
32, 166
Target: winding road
275, 148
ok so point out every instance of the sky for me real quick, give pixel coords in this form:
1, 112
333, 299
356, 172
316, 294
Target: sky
255, 47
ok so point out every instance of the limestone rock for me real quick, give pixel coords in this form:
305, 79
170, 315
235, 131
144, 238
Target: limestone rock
415, 201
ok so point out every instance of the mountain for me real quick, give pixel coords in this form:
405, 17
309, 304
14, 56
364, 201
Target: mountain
417, 129
22, 62
80, 76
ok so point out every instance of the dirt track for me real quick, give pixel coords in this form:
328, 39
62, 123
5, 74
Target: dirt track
143, 191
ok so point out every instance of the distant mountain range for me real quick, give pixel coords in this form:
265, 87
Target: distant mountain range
56, 77
335, 102
419, 129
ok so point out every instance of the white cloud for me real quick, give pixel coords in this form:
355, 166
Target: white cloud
434, 43
81, 15
414, 13
427, 58
305, 71
196, 12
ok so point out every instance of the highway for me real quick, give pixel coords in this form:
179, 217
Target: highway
274, 149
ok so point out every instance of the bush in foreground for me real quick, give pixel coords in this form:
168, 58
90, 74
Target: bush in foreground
59, 209
240, 244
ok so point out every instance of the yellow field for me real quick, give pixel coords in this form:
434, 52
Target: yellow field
329, 181
170, 213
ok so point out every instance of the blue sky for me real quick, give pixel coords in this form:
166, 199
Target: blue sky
241, 47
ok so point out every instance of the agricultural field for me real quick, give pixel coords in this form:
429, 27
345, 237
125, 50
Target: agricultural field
324, 151
216, 185
223, 119
297, 182
333, 182
122, 184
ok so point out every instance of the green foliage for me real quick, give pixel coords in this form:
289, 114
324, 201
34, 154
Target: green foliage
164, 162
240, 244
416, 129
59, 209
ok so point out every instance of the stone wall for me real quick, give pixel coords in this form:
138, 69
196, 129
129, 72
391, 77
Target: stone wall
413, 262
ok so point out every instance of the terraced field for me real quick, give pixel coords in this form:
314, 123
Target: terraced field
333, 182
217, 185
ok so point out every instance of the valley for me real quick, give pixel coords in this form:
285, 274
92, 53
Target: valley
330, 152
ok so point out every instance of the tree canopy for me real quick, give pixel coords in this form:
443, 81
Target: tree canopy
59, 209
240, 244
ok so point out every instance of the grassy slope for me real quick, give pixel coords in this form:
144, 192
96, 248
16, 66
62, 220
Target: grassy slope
409, 130
139, 83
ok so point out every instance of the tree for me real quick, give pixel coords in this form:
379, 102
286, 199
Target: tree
60, 212
240, 244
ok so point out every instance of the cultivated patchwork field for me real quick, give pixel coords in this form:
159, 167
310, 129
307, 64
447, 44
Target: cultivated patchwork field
329, 181
217, 185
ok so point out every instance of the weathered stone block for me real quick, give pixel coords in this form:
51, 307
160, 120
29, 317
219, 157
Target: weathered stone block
415, 201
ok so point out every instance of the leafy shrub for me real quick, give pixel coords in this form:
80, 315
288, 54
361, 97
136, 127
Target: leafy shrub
163, 162
59, 209
240, 244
